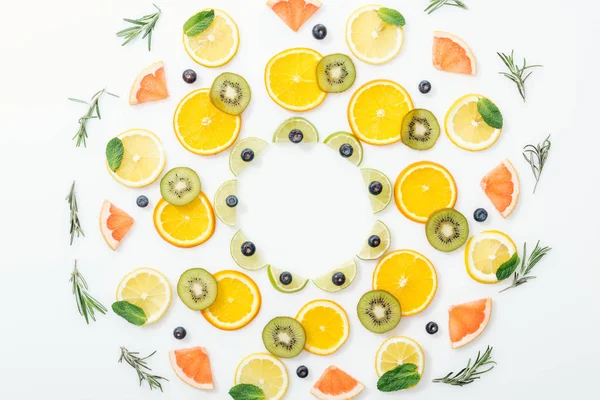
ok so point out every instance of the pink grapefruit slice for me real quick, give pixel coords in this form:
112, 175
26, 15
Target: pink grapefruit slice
452, 54
193, 367
468, 320
294, 12
150, 85
501, 186
335, 384
114, 224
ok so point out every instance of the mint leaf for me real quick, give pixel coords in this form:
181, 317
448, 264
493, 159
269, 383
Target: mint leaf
245, 391
490, 113
401, 377
114, 153
508, 267
198, 23
132, 313
391, 16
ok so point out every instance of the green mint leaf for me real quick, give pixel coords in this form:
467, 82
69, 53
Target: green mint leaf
198, 23
132, 313
508, 267
391, 16
401, 377
245, 391
490, 113
114, 153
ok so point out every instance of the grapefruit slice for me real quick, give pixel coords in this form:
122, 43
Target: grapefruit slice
193, 367
114, 224
468, 320
150, 85
501, 186
335, 384
452, 54
294, 12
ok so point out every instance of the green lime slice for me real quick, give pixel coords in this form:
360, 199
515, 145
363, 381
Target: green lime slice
379, 199
381, 231
226, 202
297, 284
325, 281
244, 153
346, 145
307, 131
249, 261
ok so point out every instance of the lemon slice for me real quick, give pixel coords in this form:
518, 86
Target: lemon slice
486, 252
379, 188
346, 145
332, 281
217, 45
465, 126
226, 202
296, 130
266, 372
148, 289
399, 350
244, 153
377, 243
245, 253
143, 158
370, 39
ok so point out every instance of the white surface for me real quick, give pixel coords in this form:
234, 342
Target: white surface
544, 333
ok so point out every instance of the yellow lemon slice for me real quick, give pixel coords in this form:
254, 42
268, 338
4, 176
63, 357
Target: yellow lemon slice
486, 252
266, 372
465, 126
217, 45
326, 325
399, 350
148, 289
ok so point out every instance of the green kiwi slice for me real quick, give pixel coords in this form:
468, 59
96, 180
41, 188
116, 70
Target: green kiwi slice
335, 73
230, 93
447, 229
284, 337
180, 186
420, 129
379, 311
197, 288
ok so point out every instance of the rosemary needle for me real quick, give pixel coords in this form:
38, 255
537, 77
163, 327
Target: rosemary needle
471, 372
437, 4
75, 228
86, 304
92, 112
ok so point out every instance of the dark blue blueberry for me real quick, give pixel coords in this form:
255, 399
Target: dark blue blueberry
179, 332
431, 328
302, 372
285, 278
247, 155
231, 201
142, 201
424, 87
319, 31
374, 241
480, 215
248, 249
346, 150
375, 188
338, 279
189, 76
296, 136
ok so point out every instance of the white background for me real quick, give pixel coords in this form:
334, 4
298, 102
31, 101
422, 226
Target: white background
544, 333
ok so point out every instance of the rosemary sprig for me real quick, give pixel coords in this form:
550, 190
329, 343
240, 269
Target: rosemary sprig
516, 73
471, 372
93, 112
522, 276
536, 156
86, 304
436, 4
144, 25
141, 367
74, 216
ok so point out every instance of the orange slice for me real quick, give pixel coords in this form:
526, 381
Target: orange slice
185, 226
376, 111
114, 224
326, 325
451, 54
238, 301
193, 367
335, 384
423, 188
217, 44
150, 85
501, 186
294, 12
410, 277
468, 320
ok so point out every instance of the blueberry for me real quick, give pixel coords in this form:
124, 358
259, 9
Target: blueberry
374, 241
179, 332
247, 155
424, 87
319, 31
375, 188
480, 215
431, 328
248, 249
346, 150
285, 278
296, 136
189, 76
142, 201
231, 201
302, 372
338, 279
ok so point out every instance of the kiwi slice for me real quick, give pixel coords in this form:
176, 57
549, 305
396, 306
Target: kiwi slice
335, 73
379, 311
230, 93
180, 186
447, 229
197, 288
284, 337
420, 129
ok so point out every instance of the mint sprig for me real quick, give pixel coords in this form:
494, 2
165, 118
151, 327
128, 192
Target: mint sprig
198, 23
490, 113
508, 267
401, 377
391, 16
114, 153
130, 312
246, 391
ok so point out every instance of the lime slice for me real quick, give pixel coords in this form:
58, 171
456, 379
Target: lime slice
245, 253
296, 130
377, 243
244, 153
379, 188
226, 202
296, 284
326, 281
346, 145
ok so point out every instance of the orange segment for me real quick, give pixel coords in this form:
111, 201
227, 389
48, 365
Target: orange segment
468, 320
501, 186
326, 325
114, 224
150, 85
451, 54
294, 12
193, 367
410, 277
336, 384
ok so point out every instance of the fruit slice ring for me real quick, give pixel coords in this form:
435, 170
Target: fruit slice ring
486, 252
399, 350
266, 372
326, 325
217, 44
148, 289
465, 126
